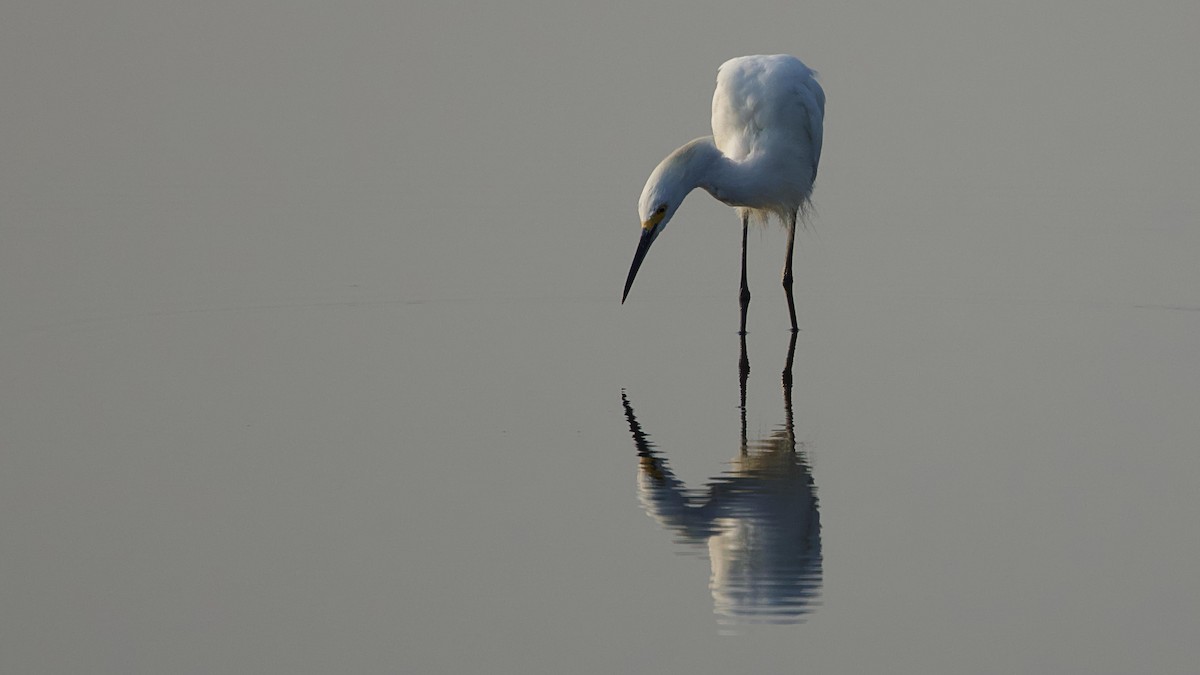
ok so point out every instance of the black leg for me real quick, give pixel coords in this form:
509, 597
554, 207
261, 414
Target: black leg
787, 391
745, 294
743, 376
787, 272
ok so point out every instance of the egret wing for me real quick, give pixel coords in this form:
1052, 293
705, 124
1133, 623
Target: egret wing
772, 107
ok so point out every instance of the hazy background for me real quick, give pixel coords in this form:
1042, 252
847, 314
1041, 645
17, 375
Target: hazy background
311, 355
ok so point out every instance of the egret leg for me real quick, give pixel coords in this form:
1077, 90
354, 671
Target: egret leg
743, 376
745, 294
787, 271
789, 420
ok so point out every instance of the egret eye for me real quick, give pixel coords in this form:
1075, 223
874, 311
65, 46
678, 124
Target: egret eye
662, 208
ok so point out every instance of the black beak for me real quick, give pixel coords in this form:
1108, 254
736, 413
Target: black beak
648, 236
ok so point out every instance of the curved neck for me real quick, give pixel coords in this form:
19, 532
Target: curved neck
727, 180
699, 164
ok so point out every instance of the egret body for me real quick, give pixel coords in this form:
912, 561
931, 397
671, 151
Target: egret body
767, 119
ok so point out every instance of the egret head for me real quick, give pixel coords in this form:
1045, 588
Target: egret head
671, 181
654, 220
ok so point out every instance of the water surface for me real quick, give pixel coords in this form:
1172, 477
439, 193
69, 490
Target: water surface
312, 358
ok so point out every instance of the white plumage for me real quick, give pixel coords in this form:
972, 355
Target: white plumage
767, 119
769, 110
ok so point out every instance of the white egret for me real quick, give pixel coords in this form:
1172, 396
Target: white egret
767, 119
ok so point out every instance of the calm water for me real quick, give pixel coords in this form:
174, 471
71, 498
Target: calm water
758, 522
312, 358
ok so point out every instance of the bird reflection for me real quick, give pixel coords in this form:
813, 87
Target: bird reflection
759, 519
